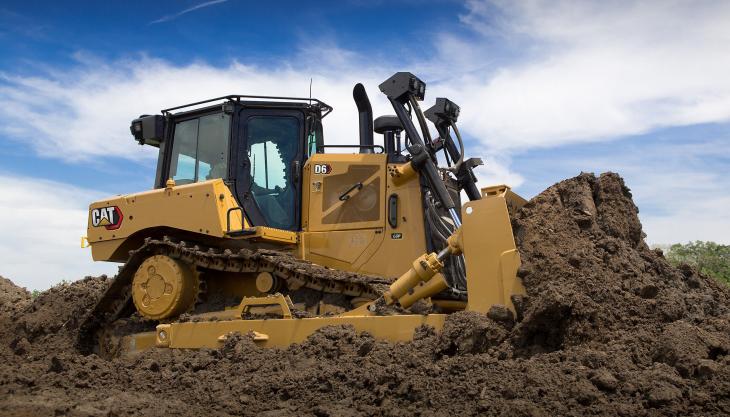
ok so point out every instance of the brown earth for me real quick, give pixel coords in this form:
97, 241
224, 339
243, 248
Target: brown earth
609, 327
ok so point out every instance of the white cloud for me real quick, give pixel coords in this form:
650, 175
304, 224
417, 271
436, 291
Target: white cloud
41, 224
574, 72
691, 222
680, 187
497, 170
539, 74
686, 204
85, 113
595, 70
678, 203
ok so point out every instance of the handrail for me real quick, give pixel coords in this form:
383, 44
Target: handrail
321, 147
228, 218
237, 97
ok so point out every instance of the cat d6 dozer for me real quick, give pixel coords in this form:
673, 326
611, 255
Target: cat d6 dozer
256, 226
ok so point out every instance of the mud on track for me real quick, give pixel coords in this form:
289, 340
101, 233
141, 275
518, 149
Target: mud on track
608, 328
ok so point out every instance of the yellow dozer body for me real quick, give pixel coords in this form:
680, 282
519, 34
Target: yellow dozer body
284, 239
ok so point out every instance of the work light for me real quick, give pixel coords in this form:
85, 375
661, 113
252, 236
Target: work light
444, 109
401, 85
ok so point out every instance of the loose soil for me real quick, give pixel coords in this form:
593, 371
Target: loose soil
608, 327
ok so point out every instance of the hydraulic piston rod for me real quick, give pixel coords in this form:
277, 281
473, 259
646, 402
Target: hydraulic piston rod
419, 281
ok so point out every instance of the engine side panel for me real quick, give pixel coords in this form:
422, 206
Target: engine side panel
198, 208
376, 228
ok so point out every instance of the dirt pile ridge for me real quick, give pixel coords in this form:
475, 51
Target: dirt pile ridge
12, 298
609, 327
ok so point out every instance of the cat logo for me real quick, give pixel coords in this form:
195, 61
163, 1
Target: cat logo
322, 168
109, 217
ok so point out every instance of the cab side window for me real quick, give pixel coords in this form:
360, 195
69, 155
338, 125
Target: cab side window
184, 150
200, 149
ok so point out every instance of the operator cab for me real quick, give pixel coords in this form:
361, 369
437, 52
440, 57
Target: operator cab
258, 147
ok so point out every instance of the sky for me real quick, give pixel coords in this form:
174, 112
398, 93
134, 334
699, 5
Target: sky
548, 89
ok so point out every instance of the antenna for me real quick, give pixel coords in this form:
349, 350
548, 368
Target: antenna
310, 90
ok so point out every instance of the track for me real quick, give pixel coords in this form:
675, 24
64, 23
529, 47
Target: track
295, 274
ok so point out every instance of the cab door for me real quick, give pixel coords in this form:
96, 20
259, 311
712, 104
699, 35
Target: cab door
271, 152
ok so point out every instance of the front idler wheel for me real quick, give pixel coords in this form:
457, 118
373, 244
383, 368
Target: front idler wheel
164, 287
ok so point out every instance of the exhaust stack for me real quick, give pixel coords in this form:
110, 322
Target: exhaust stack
365, 112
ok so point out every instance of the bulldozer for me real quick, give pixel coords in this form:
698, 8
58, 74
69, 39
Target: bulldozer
255, 225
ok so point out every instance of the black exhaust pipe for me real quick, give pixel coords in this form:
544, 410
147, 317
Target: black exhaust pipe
365, 112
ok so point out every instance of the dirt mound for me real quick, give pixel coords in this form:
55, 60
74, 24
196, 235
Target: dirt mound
608, 328
12, 297
589, 273
52, 318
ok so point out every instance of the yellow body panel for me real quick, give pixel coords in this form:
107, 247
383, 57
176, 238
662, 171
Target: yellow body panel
402, 244
360, 240
366, 244
339, 249
196, 208
323, 210
490, 253
514, 201
273, 235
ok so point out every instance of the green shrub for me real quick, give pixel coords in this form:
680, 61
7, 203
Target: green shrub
710, 258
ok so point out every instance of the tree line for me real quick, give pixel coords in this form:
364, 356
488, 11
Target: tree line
710, 258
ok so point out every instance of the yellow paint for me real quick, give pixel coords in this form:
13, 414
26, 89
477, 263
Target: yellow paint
199, 208
284, 332
164, 287
490, 253
365, 246
514, 201
273, 235
322, 208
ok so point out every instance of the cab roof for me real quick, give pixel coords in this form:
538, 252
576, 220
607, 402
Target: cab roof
311, 104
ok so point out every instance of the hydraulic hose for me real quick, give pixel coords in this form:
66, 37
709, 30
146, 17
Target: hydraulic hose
428, 167
440, 229
421, 121
458, 163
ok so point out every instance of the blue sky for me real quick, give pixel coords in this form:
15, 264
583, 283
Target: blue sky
547, 89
